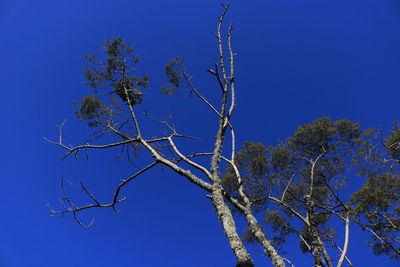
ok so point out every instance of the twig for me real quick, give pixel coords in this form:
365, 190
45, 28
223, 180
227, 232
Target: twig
75, 209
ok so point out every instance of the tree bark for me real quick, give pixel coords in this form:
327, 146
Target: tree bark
272, 253
226, 218
315, 240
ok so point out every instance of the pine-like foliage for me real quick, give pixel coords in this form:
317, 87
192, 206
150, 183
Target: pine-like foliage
111, 76
317, 161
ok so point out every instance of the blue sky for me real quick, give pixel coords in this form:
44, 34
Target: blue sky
297, 60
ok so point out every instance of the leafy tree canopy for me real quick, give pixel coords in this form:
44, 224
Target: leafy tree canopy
316, 163
113, 80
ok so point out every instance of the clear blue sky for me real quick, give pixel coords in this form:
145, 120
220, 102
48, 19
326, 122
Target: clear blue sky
297, 60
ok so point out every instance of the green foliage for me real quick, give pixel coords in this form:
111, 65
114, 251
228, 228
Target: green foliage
92, 109
174, 71
274, 166
279, 225
310, 140
327, 234
113, 74
377, 203
110, 75
378, 194
337, 149
392, 143
252, 162
283, 172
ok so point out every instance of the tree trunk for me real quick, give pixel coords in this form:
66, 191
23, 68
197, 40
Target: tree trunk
225, 216
277, 260
317, 246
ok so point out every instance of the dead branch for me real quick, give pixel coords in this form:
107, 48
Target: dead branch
72, 208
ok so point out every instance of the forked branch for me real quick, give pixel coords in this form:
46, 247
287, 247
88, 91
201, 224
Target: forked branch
71, 207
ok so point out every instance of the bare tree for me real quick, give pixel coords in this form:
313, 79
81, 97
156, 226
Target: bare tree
113, 112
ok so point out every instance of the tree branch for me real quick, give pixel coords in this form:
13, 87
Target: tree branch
75, 209
188, 161
346, 241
